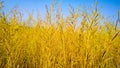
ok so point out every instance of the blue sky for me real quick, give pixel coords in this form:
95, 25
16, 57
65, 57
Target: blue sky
108, 7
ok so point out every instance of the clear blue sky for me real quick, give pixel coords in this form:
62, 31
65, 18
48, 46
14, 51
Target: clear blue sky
108, 7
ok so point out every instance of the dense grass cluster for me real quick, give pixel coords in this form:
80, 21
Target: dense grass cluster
56, 42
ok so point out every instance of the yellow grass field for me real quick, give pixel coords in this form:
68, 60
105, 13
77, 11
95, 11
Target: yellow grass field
56, 42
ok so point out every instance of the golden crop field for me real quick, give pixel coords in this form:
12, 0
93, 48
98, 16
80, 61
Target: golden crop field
56, 42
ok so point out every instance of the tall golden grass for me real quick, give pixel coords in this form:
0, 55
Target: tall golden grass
56, 42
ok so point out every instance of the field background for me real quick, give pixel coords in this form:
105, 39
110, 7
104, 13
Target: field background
81, 39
